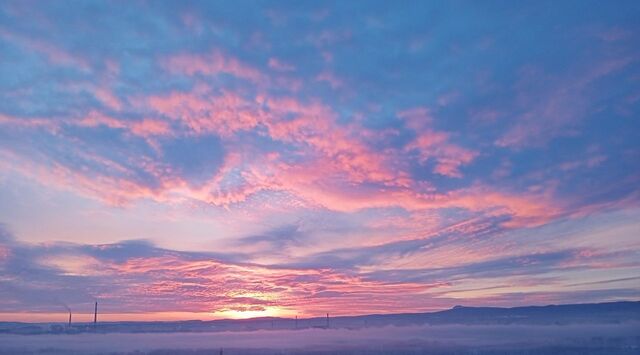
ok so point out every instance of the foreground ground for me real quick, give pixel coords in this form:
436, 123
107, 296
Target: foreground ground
621, 338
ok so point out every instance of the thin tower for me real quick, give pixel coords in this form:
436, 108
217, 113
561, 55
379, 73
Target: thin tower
69, 318
95, 315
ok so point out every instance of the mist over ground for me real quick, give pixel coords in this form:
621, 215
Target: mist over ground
605, 328
622, 338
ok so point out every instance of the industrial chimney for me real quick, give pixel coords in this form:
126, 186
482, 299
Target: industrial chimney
95, 316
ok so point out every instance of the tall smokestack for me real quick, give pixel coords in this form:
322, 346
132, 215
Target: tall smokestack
95, 315
327, 320
68, 310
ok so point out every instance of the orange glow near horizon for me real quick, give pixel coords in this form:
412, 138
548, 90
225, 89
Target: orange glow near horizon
62, 317
267, 312
142, 317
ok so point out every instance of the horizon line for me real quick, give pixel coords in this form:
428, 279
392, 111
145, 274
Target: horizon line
282, 318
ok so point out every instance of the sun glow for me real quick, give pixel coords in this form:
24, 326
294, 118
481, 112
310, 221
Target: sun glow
254, 313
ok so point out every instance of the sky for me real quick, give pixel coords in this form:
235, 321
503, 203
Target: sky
215, 159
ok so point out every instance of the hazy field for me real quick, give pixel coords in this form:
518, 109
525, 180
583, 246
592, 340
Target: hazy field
621, 338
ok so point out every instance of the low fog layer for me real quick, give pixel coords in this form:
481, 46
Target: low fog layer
599, 338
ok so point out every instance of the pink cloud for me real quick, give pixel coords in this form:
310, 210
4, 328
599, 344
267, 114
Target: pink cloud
417, 118
53, 53
330, 78
96, 118
557, 109
145, 128
108, 99
590, 162
285, 119
523, 209
225, 286
5, 253
28, 122
448, 98
340, 153
212, 64
339, 171
201, 112
312, 125
435, 145
278, 65
150, 127
526, 210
